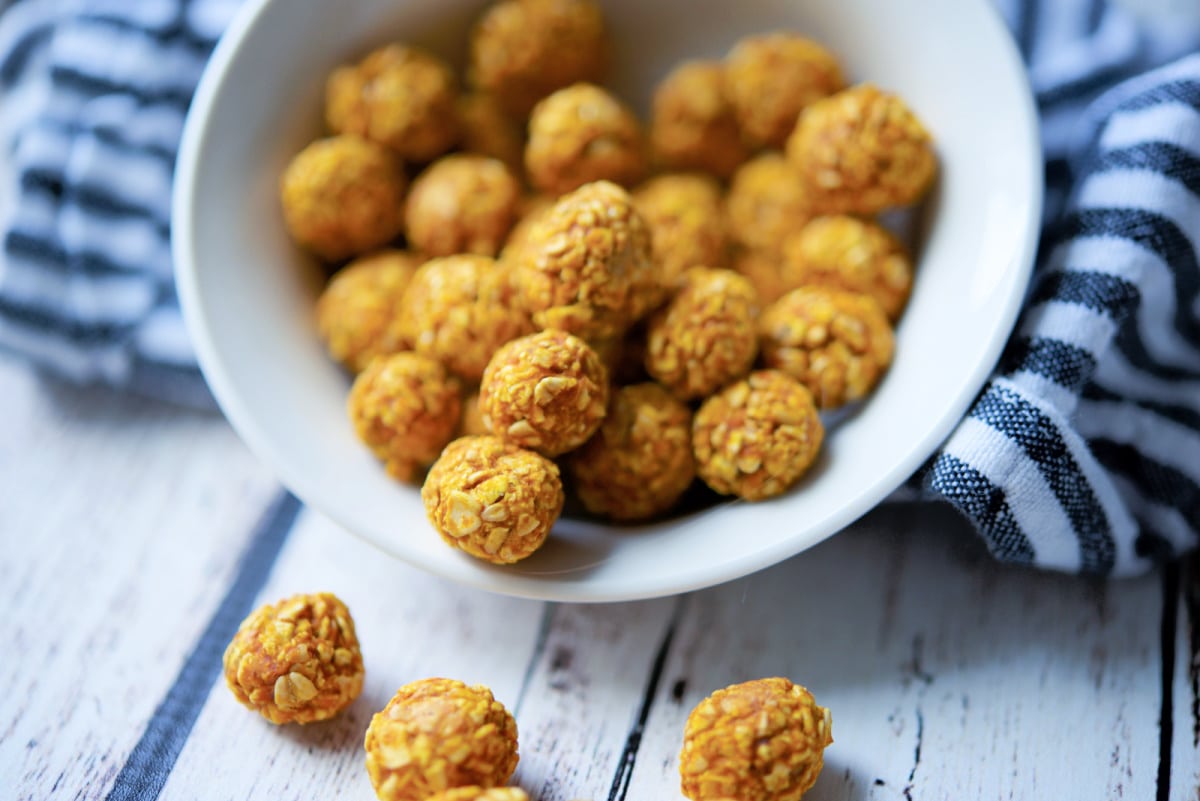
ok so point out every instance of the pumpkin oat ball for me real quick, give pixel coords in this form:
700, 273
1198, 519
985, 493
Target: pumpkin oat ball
343, 196
694, 126
836, 343
770, 78
296, 661
358, 313
851, 254
522, 50
640, 461
757, 437
766, 203
492, 499
547, 392
767, 271
706, 336
460, 309
399, 96
462, 203
530, 209
471, 423
585, 265
438, 734
485, 128
761, 740
476, 793
862, 151
687, 225
405, 408
582, 134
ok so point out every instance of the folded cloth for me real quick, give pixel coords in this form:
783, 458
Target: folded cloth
1082, 453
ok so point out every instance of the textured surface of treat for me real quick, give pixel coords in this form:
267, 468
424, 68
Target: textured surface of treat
851, 254
694, 126
640, 461
766, 203
547, 392
437, 734
405, 408
522, 50
686, 221
757, 437
706, 335
492, 499
476, 793
462, 203
768, 272
399, 96
487, 130
836, 343
296, 661
343, 196
580, 134
471, 421
358, 313
761, 740
862, 151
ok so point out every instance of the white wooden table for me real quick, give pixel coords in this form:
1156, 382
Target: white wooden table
133, 535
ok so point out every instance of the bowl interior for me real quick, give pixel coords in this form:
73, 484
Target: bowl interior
248, 294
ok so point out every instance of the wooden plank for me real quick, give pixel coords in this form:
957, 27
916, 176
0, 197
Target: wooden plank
1184, 722
121, 523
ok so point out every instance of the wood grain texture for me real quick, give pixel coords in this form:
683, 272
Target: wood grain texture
1184, 742
121, 522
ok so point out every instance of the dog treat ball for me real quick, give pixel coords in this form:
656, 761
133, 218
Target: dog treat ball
706, 336
770, 78
296, 661
358, 313
398, 96
476, 793
582, 134
686, 221
766, 203
438, 734
836, 343
546, 392
492, 499
757, 437
460, 309
343, 196
640, 461
585, 265
522, 50
405, 407
862, 151
852, 254
761, 740
694, 126
462, 203
486, 129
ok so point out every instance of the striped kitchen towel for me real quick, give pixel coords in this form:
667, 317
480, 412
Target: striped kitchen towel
1082, 453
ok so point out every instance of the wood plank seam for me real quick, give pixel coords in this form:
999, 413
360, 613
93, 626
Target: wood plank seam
539, 648
1166, 723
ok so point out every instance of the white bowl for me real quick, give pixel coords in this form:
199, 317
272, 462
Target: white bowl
249, 305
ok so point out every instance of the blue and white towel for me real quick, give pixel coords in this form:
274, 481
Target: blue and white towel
1082, 453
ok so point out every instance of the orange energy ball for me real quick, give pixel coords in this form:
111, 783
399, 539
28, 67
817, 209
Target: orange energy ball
486, 129
343, 196
296, 661
694, 126
766, 203
547, 392
398, 96
530, 209
851, 254
640, 461
767, 271
460, 309
585, 265
522, 50
471, 423
706, 335
761, 740
475, 793
492, 499
438, 734
358, 313
862, 151
405, 408
687, 223
836, 343
462, 203
582, 134
757, 437
769, 79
